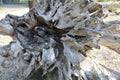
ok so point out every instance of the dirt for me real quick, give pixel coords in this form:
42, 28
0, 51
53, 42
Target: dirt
107, 57
8, 8
13, 9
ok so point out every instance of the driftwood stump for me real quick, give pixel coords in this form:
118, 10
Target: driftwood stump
55, 36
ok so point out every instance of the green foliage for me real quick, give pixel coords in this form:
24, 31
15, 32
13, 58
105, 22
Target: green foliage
1, 8
105, 0
23, 1
19, 2
74, 1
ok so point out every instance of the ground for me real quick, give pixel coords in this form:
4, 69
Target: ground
106, 57
11, 9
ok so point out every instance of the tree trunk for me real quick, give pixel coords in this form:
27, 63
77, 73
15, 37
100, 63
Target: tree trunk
54, 37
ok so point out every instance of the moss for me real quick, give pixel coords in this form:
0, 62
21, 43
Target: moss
49, 76
37, 76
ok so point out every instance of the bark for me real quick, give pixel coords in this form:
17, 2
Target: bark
55, 37
32, 3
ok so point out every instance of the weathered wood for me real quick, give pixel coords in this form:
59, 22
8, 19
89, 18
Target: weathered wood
6, 29
57, 35
117, 11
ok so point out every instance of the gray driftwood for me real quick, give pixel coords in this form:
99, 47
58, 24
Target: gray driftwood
55, 37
